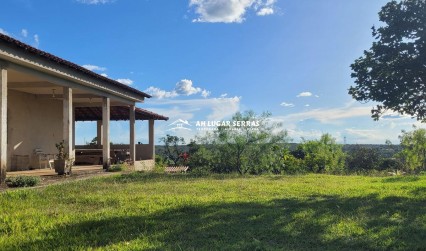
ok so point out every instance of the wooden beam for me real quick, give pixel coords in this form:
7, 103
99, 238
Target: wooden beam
75, 83
60, 96
36, 84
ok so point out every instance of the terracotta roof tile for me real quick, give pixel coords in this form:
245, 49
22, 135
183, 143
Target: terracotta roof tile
117, 113
62, 62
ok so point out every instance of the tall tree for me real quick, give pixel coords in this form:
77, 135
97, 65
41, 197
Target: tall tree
173, 148
241, 145
393, 71
413, 151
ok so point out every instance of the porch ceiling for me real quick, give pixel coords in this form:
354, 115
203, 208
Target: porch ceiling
43, 89
117, 113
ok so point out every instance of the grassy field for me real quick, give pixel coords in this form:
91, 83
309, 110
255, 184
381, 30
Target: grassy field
179, 212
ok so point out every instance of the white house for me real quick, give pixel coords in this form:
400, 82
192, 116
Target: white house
43, 95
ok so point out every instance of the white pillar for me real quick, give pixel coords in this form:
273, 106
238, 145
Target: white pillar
105, 132
67, 122
73, 132
151, 138
132, 134
99, 132
3, 123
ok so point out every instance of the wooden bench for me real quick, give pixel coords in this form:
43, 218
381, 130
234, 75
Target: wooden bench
176, 169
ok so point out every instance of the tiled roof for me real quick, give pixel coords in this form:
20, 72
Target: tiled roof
117, 113
31, 50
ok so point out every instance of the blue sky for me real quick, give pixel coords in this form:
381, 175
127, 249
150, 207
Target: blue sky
207, 59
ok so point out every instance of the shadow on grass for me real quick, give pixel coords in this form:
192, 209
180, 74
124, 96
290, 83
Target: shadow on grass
401, 179
332, 223
160, 177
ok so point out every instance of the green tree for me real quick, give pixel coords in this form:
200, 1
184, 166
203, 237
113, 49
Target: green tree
244, 145
363, 158
94, 142
173, 148
323, 155
393, 71
413, 153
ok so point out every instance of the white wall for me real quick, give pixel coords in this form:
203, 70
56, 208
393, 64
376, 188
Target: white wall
32, 123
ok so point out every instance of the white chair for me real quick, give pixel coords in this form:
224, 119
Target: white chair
42, 158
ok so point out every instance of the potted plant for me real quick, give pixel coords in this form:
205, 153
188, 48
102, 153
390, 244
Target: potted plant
62, 163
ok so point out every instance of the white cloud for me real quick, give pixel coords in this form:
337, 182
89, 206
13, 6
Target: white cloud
205, 93
125, 81
307, 105
297, 134
265, 11
287, 104
229, 11
223, 107
361, 136
220, 107
304, 94
211, 109
94, 2
160, 94
4, 32
331, 115
104, 74
24, 32
183, 87
94, 67
224, 95
36, 40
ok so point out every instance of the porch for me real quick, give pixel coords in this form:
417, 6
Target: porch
76, 170
41, 98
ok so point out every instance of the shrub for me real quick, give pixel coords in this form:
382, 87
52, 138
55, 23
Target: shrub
363, 158
323, 155
391, 164
23, 181
116, 168
413, 153
160, 164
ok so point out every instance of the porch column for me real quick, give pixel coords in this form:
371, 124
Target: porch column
67, 122
3, 122
132, 134
73, 131
105, 132
99, 133
151, 138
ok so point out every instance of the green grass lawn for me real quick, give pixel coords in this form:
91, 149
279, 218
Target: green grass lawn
180, 212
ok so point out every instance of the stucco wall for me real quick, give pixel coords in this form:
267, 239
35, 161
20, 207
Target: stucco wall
32, 123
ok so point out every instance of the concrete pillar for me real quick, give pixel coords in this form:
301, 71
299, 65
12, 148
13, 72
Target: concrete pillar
73, 132
67, 122
132, 134
99, 133
3, 123
105, 132
151, 138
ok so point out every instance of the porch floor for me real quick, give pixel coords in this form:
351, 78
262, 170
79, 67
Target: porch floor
76, 170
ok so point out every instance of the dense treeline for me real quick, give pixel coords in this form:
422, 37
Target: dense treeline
267, 149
